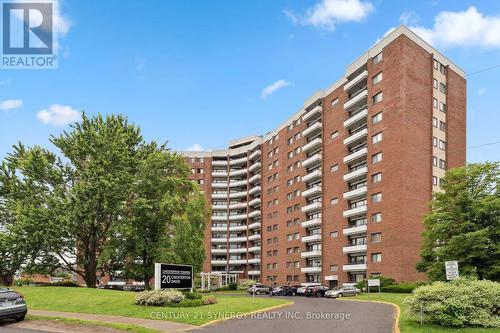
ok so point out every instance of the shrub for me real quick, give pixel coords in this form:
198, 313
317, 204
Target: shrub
209, 300
159, 297
462, 302
233, 286
244, 285
192, 295
187, 303
403, 287
61, 284
384, 281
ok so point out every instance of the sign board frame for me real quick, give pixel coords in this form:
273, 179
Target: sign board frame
373, 283
159, 281
451, 268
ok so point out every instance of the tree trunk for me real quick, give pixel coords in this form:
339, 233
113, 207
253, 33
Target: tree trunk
146, 282
90, 266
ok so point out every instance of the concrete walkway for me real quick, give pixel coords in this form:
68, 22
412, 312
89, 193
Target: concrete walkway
160, 325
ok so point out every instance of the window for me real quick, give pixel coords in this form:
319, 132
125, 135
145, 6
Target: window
435, 83
334, 135
377, 78
442, 164
334, 201
377, 58
377, 118
436, 64
377, 138
335, 102
376, 257
442, 88
334, 268
334, 234
377, 98
442, 145
442, 126
377, 197
434, 180
435, 103
434, 122
376, 237
377, 178
377, 217
376, 158
442, 107
434, 161
334, 168
434, 141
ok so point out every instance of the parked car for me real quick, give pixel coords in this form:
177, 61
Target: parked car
259, 289
301, 291
290, 290
277, 291
12, 305
316, 291
342, 291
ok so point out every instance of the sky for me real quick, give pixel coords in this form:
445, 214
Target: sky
201, 73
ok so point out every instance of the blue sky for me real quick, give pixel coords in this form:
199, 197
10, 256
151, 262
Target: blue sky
176, 68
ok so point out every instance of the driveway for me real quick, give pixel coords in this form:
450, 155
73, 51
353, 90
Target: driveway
315, 315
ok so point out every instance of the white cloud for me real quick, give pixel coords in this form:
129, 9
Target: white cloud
272, 88
327, 13
58, 115
195, 147
468, 28
10, 104
482, 91
409, 18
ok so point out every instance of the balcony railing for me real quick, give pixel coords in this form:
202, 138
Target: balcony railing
354, 248
358, 117
314, 112
313, 129
311, 145
311, 254
355, 230
311, 207
356, 193
355, 211
354, 267
311, 269
312, 191
356, 137
361, 76
355, 155
313, 160
356, 173
311, 238
357, 99
311, 223
313, 175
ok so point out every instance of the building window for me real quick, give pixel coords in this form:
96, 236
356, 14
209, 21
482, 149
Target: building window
435, 103
377, 217
442, 88
442, 164
377, 197
377, 118
377, 58
377, 98
377, 178
334, 201
442, 107
442, 126
434, 161
435, 83
335, 102
334, 135
434, 141
334, 234
376, 158
377, 78
334, 268
377, 138
376, 237
442, 145
434, 122
434, 180
334, 168
376, 257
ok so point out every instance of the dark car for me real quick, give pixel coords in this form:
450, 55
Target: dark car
316, 291
290, 290
12, 305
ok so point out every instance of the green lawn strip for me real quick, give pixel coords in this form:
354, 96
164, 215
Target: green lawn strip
124, 327
409, 325
121, 303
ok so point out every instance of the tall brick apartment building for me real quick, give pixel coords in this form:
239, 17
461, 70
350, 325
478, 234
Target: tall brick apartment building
339, 190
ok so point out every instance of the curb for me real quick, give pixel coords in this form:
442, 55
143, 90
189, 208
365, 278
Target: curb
395, 326
248, 313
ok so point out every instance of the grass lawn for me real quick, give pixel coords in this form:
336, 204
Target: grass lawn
121, 303
407, 325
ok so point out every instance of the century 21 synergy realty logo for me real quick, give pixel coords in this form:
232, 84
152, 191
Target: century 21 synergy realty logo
29, 34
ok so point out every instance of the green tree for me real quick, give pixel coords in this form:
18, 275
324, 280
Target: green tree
464, 224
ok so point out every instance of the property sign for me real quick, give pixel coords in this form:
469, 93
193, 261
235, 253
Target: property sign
172, 276
451, 270
373, 282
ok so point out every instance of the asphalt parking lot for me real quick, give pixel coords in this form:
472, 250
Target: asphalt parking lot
315, 315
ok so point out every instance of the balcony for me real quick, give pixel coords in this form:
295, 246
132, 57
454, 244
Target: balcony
238, 250
354, 248
237, 239
237, 217
354, 267
238, 161
311, 145
356, 119
219, 195
220, 229
316, 189
219, 174
255, 213
361, 172
255, 167
219, 207
254, 202
238, 183
311, 161
218, 262
312, 130
218, 251
254, 178
254, 190
356, 137
254, 237
311, 176
311, 223
311, 238
316, 111
356, 193
254, 155
311, 269
254, 261
218, 240
356, 155
254, 272
219, 185
254, 249
357, 101
363, 75
219, 163
311, 207
311, 254
355, 211
240, 205
239, 172
254, 225
219, 218
361, 229
239, 194
238, 228
237, 261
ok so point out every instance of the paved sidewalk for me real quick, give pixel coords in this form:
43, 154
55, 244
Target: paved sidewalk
160, 325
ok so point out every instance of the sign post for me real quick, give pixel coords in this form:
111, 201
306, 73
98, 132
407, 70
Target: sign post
374, 283
451, 268
172, 276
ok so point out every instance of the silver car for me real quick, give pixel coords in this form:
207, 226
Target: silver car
342, 291
258, 289
12, 305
